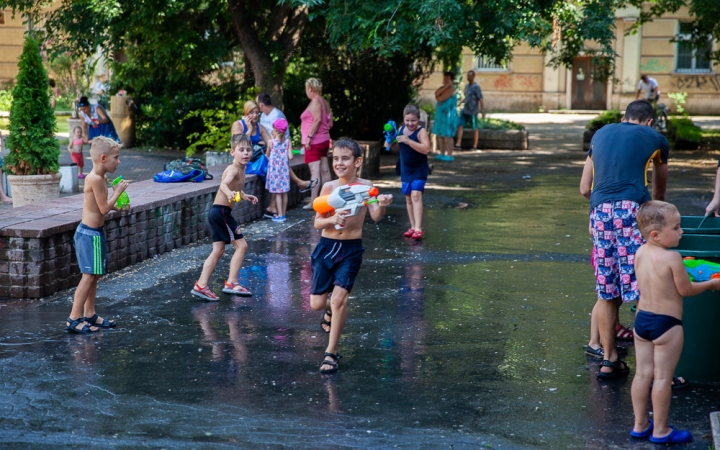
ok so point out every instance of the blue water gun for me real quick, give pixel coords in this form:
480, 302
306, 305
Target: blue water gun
700, 270
390, 133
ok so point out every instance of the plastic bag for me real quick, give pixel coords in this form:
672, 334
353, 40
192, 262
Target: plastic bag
258, 167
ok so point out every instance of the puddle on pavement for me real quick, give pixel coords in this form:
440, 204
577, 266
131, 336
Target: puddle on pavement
473, 337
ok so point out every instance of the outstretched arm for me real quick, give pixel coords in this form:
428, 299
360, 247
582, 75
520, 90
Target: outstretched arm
714, 205
377, 210
684, 286
659, 178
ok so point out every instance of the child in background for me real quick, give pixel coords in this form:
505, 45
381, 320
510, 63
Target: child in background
277, 181
76, 150
662, 282
414, 146
224, 228
90, 244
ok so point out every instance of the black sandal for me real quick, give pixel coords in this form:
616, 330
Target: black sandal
314, 182
106, 323
619, 367
85, 329
332, 363
326, 322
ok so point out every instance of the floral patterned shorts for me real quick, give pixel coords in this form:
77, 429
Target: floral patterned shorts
616, 238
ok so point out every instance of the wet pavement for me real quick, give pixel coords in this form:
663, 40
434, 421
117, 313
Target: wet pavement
470, 339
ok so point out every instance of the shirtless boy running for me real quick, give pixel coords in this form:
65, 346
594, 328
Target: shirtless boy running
337, 258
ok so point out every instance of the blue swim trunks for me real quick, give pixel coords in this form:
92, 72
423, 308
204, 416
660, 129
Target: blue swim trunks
91, 248
415, 185
335, 262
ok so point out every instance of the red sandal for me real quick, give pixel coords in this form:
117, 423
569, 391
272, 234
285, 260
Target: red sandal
409, 232
623, 334
418, 235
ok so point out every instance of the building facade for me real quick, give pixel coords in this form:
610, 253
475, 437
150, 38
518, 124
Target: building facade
12, 32
528, 84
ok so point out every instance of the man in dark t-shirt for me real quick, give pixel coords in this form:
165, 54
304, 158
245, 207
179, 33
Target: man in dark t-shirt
615, 180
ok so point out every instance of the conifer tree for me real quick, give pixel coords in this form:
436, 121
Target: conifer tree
32, 144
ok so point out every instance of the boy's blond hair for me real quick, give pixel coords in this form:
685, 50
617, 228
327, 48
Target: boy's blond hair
653, 216
102, 145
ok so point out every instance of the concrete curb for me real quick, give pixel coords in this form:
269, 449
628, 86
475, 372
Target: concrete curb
715, 425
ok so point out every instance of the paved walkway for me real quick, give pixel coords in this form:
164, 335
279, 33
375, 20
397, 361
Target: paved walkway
470, 339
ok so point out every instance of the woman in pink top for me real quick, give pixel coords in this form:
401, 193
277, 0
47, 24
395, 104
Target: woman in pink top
316, 122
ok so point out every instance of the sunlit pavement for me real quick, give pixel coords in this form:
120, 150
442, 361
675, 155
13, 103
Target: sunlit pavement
472, 338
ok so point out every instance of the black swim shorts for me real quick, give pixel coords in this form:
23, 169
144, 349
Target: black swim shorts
335, 262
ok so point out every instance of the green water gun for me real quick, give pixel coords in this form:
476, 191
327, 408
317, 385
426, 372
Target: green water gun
700, 270
123, 201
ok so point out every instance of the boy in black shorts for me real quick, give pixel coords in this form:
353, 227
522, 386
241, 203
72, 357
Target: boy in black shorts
223, 226
337, 258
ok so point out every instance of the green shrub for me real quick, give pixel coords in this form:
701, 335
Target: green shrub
217, 124
498, 124
5, 100
684, 128
606, 118
32, 144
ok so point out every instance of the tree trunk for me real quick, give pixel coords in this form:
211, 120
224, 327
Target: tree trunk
285, 28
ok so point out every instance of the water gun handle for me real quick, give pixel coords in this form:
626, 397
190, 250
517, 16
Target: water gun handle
236, 197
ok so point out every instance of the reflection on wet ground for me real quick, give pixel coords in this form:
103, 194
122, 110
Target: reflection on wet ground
471, 339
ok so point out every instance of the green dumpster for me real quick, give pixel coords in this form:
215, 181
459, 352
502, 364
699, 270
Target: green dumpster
700, 360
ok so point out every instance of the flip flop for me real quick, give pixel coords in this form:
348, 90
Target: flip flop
314, 182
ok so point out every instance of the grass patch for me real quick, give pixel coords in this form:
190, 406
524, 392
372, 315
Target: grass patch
62, 125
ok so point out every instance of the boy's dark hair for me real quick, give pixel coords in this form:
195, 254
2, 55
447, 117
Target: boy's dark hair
238, 139
640, 110
412, 109
449, 74
264, 99
349, 144
653, 215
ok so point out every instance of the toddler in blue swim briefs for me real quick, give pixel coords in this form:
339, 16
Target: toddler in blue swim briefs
662, 282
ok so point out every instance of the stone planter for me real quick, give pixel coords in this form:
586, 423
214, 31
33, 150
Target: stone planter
217, 158
497, 139
28, 189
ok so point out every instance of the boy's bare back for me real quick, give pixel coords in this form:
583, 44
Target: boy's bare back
659, 271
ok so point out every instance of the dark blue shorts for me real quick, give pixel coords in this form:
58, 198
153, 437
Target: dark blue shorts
90, 248
415, 185
335, 263
223, 225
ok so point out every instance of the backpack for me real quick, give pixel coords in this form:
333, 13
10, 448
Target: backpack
187, 165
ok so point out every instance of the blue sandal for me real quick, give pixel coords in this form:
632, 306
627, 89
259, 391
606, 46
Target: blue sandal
642, 434
675, 437
106, 323
84, 330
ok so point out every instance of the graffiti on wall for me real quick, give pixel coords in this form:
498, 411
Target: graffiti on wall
502, 82
526, 82
655, 65
701, 83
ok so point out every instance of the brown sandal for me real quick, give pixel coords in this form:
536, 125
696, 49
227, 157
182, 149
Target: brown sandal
624, 334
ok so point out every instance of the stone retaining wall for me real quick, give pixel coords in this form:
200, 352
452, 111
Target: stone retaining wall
37, 257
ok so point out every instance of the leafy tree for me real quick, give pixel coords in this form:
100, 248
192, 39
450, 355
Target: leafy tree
33, 147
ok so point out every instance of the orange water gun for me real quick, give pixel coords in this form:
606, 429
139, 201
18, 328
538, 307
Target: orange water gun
346, 200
